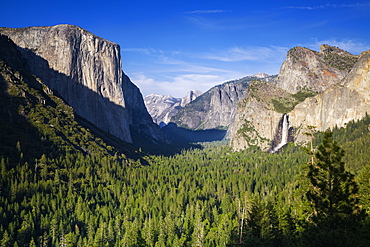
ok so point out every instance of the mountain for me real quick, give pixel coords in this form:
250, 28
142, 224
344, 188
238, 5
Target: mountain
256, 117
35, 122
85, 70
215, 109
305, 69
338, 104
322, 89
163, 107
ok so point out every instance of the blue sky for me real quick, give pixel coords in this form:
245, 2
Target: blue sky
170, 47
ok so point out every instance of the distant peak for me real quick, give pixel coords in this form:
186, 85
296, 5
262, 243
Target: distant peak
260, 75
153, 95
162, 96
194, 92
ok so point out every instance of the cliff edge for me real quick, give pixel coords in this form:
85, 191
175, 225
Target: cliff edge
86, 71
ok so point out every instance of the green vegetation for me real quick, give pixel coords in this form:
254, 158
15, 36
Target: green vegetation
60, 185
209, 197
333, 195
332, 57
340, 61
282, 105
274, 98
40, 122
250, 135
302, 95
287, 103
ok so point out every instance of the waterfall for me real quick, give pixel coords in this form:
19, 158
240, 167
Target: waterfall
284, 130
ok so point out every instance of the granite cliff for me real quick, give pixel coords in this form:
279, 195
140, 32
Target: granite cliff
216, 108
323, 89
86, 71
36, 120
256, 118
338, 104
163, 107
308, 70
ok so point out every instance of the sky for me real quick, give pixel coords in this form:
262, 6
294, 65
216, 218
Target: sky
170, 47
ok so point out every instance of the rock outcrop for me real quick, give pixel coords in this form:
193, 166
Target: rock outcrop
308, 70
216, 108
86, 71
339, 104
256, 119
323, 89
163, 107
190, 96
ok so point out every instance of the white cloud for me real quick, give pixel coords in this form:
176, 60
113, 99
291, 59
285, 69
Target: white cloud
352, 46
143, 80
237, 54
209, 11
329, 6
178, 86
195, 61
145, 84
144, 51
174, 73
169, 60
192, 68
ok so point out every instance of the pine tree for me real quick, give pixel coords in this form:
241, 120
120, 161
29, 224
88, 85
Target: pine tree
364, 182
332, 193
198, 234
244, 208
3, 169
148, 232
32, 243
6, 240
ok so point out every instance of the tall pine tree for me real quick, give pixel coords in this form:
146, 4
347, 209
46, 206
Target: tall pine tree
333, 193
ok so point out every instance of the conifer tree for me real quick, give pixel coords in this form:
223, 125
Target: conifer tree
6, 240
332, 193
364, 182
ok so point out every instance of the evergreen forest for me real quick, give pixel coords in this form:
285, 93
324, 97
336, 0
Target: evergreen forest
61, 185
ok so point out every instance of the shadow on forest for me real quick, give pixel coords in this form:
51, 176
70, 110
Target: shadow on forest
107, 119
18, 136
103, 117
181, 135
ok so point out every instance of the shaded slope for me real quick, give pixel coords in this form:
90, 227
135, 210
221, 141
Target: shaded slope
34, 121
86, 71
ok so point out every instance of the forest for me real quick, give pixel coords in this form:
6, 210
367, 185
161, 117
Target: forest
62, 185
199, 197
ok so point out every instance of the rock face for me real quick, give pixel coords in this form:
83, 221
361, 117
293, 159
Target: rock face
339, 104
163, 107
256, 119
309, 70
86, 71
216, 108
341, 83
190, 96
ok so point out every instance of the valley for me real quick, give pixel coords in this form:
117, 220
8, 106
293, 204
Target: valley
86, 160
